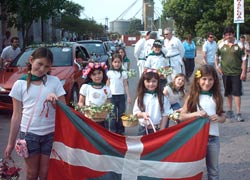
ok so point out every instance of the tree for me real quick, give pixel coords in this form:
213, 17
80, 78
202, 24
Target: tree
22, 13
198, 17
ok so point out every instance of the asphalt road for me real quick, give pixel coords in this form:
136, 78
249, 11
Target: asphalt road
235, 138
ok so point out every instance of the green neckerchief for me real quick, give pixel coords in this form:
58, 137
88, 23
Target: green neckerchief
33, 77
151, 92
96, 84
126, 59
206, 93
155, 54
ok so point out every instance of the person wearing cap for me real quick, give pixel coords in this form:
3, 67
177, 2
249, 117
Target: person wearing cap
156, 59
174, 51
232, 67
139, 53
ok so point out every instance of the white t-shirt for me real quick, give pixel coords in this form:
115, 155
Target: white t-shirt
40, 124
207, 103
155, 62
9, 53
116, 81
174, 97
94, 95
152, 107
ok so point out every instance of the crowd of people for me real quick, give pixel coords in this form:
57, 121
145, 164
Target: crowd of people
157, 96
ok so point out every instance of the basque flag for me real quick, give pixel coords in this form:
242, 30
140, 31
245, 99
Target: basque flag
84, 150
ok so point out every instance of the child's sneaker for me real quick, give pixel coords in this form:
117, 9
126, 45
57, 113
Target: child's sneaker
239, 118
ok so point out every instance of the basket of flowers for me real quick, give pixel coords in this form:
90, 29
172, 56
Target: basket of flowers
129, 120
175, 117
165, 71
96, 113
8, 170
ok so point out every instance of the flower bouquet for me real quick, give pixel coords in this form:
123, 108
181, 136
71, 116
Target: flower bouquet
165, 71
94, 112
7, 172
131, 73
175, 116
129, 120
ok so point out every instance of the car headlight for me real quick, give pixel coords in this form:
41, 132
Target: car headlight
2, 89
63, 81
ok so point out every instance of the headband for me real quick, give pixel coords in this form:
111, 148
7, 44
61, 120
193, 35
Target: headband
93, 66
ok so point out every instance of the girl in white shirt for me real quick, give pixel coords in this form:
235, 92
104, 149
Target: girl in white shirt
205, 100
150, 103
33, 115
118, 83
94, 90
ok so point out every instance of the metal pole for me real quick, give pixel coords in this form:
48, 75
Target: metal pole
238, 31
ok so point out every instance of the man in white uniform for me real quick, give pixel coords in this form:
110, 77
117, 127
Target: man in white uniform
174, 51
139, 53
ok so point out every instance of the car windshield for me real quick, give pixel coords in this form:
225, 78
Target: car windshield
94, 48
62, 57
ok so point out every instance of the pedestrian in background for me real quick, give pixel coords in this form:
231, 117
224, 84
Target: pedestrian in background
125, 59
205, 100
148, 47
174, 51
209, 49
151, 104
244, 45
34, 96
140, 54
10, 52
118, 84
231, 64
189, 56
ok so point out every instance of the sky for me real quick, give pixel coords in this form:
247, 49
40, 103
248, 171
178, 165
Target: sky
99, 10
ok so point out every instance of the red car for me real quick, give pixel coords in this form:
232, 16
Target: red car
69, 59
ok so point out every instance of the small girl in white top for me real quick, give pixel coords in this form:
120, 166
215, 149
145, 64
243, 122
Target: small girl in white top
94, 89
118, 83
205, 100
150, 103
175, 91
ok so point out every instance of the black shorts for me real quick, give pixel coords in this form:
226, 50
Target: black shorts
232, 85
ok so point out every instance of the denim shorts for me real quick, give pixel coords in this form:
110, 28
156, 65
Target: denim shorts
37, 144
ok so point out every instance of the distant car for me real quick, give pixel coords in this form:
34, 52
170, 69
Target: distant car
97, 50
69, 59
111, 46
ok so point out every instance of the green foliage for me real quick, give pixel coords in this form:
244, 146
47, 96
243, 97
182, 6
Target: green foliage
198, 17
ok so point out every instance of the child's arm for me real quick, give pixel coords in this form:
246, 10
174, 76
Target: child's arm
108, 82
125, 84
165, 91
185, 115
81, 101
217, 118
164, 122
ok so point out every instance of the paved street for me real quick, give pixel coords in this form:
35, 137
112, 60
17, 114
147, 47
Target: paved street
235, 138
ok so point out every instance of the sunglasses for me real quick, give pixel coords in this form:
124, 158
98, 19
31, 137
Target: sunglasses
211, 37
165, 34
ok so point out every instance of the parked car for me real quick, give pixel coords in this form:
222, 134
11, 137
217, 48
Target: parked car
111, 46
69, 59
97, 50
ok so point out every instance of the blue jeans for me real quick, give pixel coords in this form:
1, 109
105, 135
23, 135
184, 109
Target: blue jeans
212, 157
37, 144
119, 101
